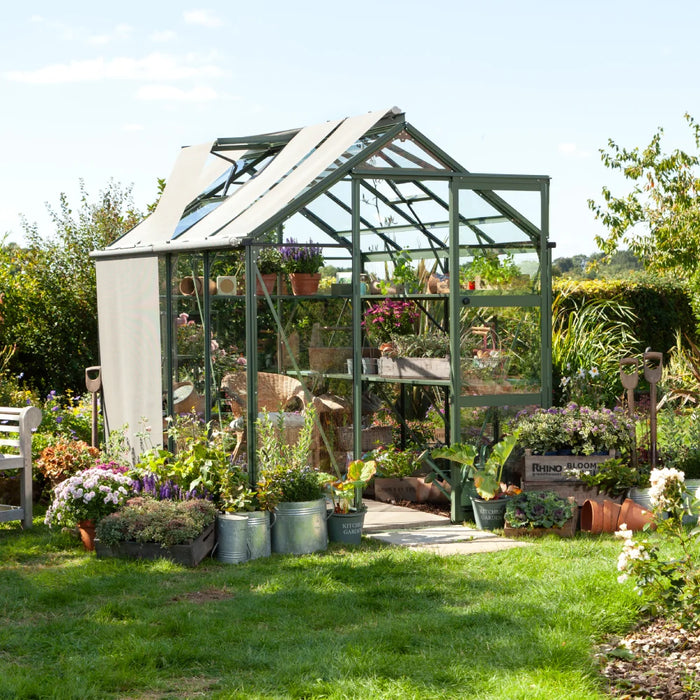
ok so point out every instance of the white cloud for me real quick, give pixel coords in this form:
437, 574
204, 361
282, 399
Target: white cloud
571, 150
132, 127
204, 17
121, 31
174, 94
162, 36
156, 66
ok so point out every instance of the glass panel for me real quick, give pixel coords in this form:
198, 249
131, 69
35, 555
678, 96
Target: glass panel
500, 350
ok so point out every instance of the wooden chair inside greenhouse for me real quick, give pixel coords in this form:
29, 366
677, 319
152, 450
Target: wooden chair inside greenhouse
278, 394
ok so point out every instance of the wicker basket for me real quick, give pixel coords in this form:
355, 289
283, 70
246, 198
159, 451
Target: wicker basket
371, 437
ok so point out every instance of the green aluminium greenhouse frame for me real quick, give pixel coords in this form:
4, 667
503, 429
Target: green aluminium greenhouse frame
370, 191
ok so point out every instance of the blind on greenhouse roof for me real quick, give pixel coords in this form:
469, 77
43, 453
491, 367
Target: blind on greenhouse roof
194, 170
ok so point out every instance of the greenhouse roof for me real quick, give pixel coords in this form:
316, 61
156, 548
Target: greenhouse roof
222, 192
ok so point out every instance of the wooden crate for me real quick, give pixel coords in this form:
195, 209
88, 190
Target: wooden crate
414, 367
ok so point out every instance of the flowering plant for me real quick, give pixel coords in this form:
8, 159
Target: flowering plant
301, 258
164, 522
389, 318
538, 509
89, 495
64, 458
671, 586
577, 428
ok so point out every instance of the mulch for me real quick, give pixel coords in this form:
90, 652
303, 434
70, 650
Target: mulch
659, 660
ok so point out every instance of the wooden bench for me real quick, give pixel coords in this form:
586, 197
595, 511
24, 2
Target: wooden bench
16, 426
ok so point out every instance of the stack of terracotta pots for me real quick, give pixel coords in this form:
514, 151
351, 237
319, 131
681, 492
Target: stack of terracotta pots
607, 516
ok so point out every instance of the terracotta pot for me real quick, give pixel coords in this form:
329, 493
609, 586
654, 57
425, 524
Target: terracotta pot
592, 517
269, 281
304, 283
87, 534
611, 513
634, 515
190, 285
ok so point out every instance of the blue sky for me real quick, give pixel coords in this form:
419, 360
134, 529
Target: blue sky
99, 91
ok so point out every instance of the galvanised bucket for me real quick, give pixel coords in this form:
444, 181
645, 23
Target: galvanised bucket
259, 537
231, 537
300, 527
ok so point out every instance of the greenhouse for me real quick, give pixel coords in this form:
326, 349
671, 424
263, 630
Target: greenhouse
433, 311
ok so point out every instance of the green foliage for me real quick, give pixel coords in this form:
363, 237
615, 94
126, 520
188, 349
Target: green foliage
163, 522
269, 260
494, 270
678, 439
659, 306
659, 218
50, 304
589, 337
614, 477
485, 465
531, 509
393, 462
346, 492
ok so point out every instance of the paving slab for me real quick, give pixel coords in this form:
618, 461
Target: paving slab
407, 527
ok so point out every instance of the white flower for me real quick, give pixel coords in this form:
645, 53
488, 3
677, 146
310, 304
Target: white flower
622, 578
623, 532
593, 371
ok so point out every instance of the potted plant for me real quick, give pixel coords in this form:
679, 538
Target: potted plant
302, 262
300, 515
146, 528
85, 498
537, 513
245, 517
416, 356
348, 516
557, 440
486, 468
396, 478
269, 264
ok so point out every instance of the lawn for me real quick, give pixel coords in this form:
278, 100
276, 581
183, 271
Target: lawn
368, 622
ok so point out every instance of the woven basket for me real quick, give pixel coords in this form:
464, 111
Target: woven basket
276, 392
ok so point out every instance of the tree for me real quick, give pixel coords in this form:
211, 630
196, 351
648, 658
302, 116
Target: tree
49, 288
659, 220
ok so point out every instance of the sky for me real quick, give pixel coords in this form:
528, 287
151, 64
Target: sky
94, 91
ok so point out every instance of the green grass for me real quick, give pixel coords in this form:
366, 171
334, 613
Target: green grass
367, 622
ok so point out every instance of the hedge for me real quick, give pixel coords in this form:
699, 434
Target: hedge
662, 305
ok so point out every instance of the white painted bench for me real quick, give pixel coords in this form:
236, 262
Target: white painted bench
16, 426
